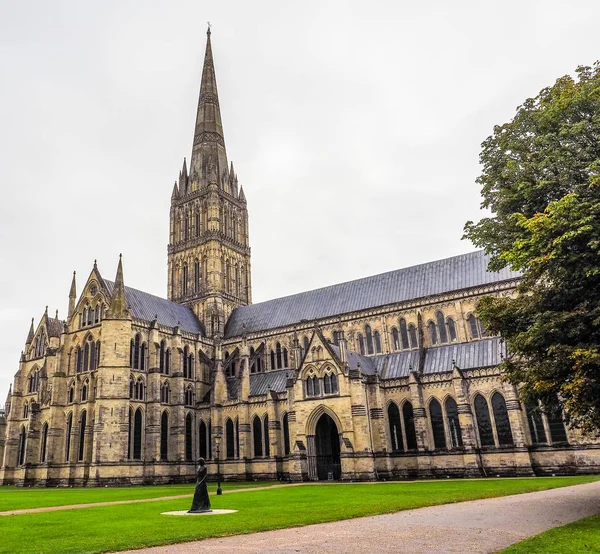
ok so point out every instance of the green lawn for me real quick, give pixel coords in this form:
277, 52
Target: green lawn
576, 538
18, 498
137, 525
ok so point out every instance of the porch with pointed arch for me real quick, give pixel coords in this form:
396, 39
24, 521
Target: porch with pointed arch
323, 435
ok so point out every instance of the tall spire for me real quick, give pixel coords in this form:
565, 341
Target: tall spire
209, 145
118, 303
72, 296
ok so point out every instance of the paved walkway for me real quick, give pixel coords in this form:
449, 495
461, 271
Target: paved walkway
482, 526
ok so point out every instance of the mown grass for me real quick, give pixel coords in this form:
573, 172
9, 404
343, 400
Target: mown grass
121, 527
579, 537
19, 498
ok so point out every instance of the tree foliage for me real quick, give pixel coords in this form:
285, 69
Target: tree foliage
541, 182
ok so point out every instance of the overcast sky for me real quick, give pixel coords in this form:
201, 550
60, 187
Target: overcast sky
354, 127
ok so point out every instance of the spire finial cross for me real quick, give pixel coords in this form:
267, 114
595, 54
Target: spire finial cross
209, 26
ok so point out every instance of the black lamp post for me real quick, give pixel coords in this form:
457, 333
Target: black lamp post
218, 446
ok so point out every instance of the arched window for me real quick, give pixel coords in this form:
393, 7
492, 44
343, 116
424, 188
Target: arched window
139, 389
441, 324
273, 360
558, 433
453, 423
395, 339
204, 441
82, 423
167, 361
502, 422
90, 316
476, 328
266, 435
164, 436
161, 357
97, 362
97, 313
536, 424
369, 335
257, 437
189, 396
135, 351
68, 436
279, 355
395, 428
197, 274
409, 426
451, 329
437, 424
377, 338
137, 435
188, 438
484, 423
84, 391
361, 344
330, 383
25, 410
285, 358
184, 279
71, 393
412, 334
165, 393
286, 435
131, 388
313, 386
22, 445
230, 439
86, 355
143, 350
431, 330
404, 334
44, 443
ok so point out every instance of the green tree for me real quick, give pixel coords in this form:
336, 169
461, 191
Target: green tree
541, 183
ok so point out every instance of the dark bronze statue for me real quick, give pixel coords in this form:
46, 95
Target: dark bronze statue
201, 503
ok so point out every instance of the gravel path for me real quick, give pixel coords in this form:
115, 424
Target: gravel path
477, 526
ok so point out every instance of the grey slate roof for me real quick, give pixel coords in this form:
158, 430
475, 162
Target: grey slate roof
145, 306
460, 272
275, 380
468, 355
367, 365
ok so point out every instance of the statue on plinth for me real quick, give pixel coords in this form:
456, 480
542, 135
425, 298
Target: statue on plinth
201, 503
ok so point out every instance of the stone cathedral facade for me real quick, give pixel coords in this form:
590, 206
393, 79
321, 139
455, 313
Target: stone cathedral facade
387, 377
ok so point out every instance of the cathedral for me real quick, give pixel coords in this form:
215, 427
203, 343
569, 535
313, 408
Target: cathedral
387, 377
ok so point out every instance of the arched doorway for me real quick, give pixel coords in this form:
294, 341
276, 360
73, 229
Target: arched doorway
327, 449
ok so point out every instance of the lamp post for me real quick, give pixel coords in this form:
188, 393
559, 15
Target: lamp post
218, 446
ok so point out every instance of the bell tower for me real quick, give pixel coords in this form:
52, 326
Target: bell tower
209, 250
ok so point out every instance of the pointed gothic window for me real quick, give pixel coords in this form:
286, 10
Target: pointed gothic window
536, 424
404, 334
164, 436
272, 354
395, 428
197, 276
203, 439
22, 445
184, 279
409, 426
161, 357
189, 456
257, 437
82, 423
484, 422
437, 424
97, 313
432, 333
503, 429
377, 338
453, 423
395, 339
229, 439
412, 333
369, 336
44, 443
286, 435
441, 325
361, 344
68, 430
451, 329
279, 355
